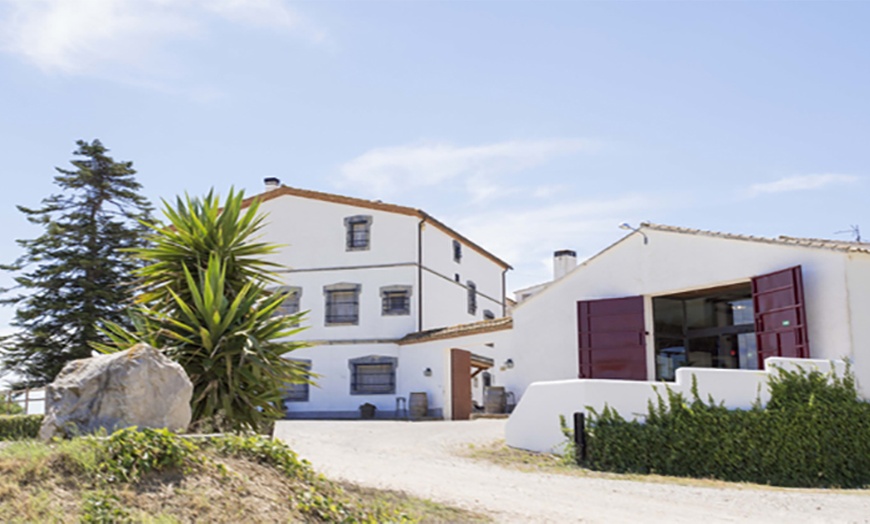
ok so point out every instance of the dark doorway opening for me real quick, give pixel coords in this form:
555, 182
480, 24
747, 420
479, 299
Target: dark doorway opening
711, 328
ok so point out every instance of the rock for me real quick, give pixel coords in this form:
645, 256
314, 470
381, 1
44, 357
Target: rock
137, 387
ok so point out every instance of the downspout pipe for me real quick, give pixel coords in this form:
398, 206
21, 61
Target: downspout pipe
504, 292
420, 273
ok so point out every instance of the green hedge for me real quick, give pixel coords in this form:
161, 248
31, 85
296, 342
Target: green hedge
19, 427
814, 432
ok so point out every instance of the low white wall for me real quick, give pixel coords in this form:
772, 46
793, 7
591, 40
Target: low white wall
534, 424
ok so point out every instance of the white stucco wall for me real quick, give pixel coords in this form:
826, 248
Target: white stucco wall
858, 286
436, 355
314, 234
534, 424
545, 325
331, 396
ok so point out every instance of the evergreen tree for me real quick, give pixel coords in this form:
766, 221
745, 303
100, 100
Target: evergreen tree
78, 273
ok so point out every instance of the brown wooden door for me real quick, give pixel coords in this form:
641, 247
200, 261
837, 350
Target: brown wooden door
612, 338
460, 383
780, 317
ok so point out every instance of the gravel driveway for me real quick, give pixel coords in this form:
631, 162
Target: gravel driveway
421, 458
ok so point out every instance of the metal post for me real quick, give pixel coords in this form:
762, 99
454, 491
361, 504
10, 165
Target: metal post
580, 438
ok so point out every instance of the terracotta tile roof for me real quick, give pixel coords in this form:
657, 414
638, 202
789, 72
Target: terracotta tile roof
818, 243
374, 204
461, 330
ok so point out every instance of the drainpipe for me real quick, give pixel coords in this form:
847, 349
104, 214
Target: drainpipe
420, 273
503, 293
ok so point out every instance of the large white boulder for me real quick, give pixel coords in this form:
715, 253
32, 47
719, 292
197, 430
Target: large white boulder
137, 387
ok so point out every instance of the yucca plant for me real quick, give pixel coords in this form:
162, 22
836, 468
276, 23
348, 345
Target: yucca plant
205, 301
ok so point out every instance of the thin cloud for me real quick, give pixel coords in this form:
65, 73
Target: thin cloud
391, 170
527, 237
800, 183
93, 36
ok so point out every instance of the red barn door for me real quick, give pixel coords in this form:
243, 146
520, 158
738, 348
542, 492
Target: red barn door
780, 318
612, 338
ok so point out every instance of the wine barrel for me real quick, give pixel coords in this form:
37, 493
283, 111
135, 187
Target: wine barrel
494, 399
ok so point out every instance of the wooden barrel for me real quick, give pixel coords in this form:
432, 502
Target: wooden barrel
494, 399
418, 405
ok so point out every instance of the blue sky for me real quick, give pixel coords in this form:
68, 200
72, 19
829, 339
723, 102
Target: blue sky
529, 126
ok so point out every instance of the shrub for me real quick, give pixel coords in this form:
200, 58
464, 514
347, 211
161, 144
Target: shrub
19, 427
131, 453
814, 432
8, 407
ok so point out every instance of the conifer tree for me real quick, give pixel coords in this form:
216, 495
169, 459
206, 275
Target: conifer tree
77, 274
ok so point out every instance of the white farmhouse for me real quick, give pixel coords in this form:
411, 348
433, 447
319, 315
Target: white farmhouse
664, 303
381, 283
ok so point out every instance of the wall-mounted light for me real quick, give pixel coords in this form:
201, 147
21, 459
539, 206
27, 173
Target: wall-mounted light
427, 372
509, 363
628, 227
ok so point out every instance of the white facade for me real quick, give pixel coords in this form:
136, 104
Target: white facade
357, 252
836, 283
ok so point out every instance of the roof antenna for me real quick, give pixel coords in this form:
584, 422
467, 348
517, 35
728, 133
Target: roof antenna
854, 230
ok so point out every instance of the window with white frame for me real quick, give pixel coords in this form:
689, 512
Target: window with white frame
373, 375
342, 304
358, 232
298, 392
472, 297
457, 251
396, 300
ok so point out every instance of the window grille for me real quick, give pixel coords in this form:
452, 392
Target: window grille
358, 232
298, 392
290, 305
373, 379
457, 251
342, 305
396, 300
472, 298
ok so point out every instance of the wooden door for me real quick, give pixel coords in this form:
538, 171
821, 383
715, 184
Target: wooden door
780, 316
612, 338
460, 383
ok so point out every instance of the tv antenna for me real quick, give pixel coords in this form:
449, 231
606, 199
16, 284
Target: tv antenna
854, 230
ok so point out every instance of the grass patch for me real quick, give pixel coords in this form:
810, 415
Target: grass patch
158, 477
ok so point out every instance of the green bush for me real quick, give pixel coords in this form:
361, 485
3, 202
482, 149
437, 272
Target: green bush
8, 407
814, 432
19, 427
132, 452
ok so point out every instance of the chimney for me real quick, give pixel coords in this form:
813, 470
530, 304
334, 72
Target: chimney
564, 261
272, 183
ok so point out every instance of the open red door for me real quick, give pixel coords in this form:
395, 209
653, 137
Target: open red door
612, 338
780, 318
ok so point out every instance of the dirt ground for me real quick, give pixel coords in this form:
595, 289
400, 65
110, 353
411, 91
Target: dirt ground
426, 459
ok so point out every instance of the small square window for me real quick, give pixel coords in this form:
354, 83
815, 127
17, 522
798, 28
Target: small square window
488, 315
290, 305
373, 375
396, 300
457, 251
342, 304
358, 232
298, 392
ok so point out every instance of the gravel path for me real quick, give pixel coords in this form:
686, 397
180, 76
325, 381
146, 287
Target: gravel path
421, 458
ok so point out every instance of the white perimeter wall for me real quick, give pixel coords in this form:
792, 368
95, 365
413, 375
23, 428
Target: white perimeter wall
545, 326
534, 424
